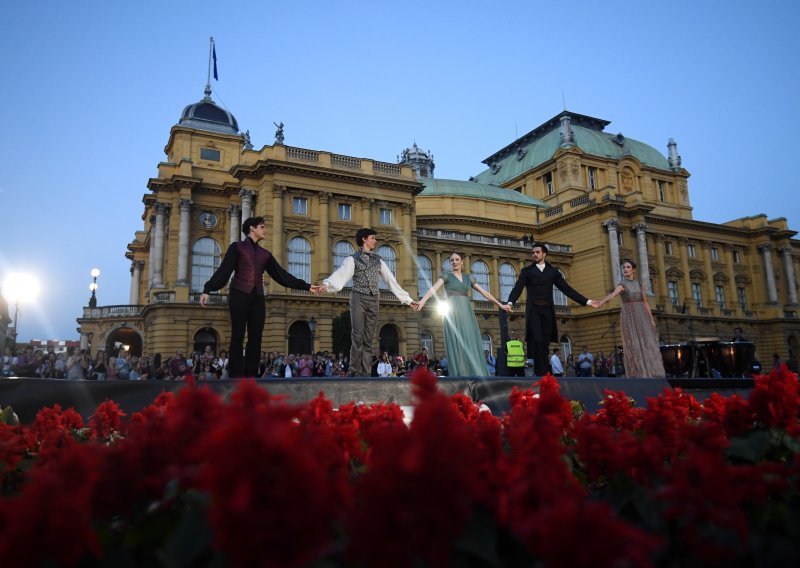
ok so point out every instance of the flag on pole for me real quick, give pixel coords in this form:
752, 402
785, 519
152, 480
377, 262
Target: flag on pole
214, 55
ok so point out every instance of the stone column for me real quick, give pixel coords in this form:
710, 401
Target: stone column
366, 211
772, 291
710, 291
247, 202
85, 341
151, 257
644, 262
687, 282
277, 222
136, 276
234, 212
162, 209
788, 267
734, 297
409, 278
325, 262
613, 244
658, 242
183, 241
495, 278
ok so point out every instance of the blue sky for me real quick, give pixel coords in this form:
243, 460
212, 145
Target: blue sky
91, 89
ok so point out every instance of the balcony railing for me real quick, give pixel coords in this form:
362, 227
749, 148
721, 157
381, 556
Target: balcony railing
302, 154
164, 297
384, 168
213, 299
345, 162
113, 311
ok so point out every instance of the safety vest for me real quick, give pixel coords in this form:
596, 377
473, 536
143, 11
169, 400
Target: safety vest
516, 353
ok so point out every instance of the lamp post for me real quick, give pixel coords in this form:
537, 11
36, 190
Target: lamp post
312, 326
95, 272
20, 288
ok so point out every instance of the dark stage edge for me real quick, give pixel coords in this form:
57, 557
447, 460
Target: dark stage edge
27, 396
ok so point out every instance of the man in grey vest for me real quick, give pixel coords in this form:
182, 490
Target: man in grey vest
366, 268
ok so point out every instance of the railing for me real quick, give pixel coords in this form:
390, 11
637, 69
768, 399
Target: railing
301, 154
563, 310
728, 313
213, 299
384, 168
790, 314
557, 210
578, 201
113, 311
345, 162
705, 311
473, 238
164, 297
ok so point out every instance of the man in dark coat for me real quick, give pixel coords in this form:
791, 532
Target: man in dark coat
538, 280
248, 261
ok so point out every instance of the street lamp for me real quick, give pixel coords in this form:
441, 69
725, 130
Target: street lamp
20, 288
93, 287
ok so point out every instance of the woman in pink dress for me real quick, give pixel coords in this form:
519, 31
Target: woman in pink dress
639, 333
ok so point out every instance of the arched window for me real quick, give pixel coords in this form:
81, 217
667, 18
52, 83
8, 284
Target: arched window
481, 273
205, 260
424, 274
559, 297
341, 250
508, 277
387, 255
486, 339
426, 339
300, 258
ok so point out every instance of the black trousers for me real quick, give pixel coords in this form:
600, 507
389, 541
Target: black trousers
540, 328
248, 311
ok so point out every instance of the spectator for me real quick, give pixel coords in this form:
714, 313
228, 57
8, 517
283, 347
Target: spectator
491, 362
571, 370
25, 365
385, 366
585, 363
175, 364
77, 365
776, 362
600, 369
8, 361
443, 364
222, 364
555, 364
305, 366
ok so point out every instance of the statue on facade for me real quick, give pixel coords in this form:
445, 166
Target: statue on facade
278, 132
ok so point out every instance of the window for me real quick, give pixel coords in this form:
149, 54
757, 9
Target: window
548, 183
486, 339
345, 212
205, 260
672, 289
300, 258
742, 297
300, 206
387, 255
341, 250
508, 277
692, 250
426, 339
446, 266
209, 154
697, 295
424, 274
662, 191
592, 177
620, 240
559, 297
668, 248
385, 216
714, 253
480, 270
719, 292
737, 257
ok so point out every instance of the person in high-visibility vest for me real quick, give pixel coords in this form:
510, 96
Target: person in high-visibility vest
515, 360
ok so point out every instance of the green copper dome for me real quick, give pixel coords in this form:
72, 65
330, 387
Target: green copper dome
458, 188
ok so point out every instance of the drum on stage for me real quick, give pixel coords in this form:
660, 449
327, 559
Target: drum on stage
677, 359
732, 358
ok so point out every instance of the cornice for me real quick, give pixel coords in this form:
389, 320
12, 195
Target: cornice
438, 222
264, 167
173, 183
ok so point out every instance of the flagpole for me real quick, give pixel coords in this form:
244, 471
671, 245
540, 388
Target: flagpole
208, 82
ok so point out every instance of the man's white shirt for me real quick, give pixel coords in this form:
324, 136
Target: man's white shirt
344, 273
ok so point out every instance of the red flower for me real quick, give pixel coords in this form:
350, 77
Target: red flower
106, 420
775, 400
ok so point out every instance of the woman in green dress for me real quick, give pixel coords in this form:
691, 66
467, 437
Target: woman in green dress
462, 338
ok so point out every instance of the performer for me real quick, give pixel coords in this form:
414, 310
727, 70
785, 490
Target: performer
638, 327
365, 267
248, 261
462, 338
538, 280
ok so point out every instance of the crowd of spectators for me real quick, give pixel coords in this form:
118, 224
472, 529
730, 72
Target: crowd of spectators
203, 365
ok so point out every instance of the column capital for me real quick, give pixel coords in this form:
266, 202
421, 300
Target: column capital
765, 247
325, 197
185, 204
611, 224
234, 210
278, 190
786, 249
640, 227
367, 201
162, 208
406, 208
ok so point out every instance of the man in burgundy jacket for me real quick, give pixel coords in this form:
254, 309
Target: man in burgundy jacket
248, 261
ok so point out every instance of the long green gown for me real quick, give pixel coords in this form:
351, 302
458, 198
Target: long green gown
462, 338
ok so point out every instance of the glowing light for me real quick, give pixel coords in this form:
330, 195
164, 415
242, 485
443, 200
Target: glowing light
443, 308
95, 272
20, 288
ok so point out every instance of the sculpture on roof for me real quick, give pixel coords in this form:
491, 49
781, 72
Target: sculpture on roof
278, 132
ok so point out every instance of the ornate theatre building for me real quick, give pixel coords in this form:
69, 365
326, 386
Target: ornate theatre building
593, 196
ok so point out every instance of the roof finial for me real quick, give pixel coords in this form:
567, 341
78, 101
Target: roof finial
673, 158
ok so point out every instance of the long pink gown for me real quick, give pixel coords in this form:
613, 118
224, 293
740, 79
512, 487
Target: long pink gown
639, 336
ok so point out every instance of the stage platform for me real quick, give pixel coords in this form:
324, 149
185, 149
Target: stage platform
27, 396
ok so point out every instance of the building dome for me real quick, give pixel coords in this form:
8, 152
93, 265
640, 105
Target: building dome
205, 115
419, 160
